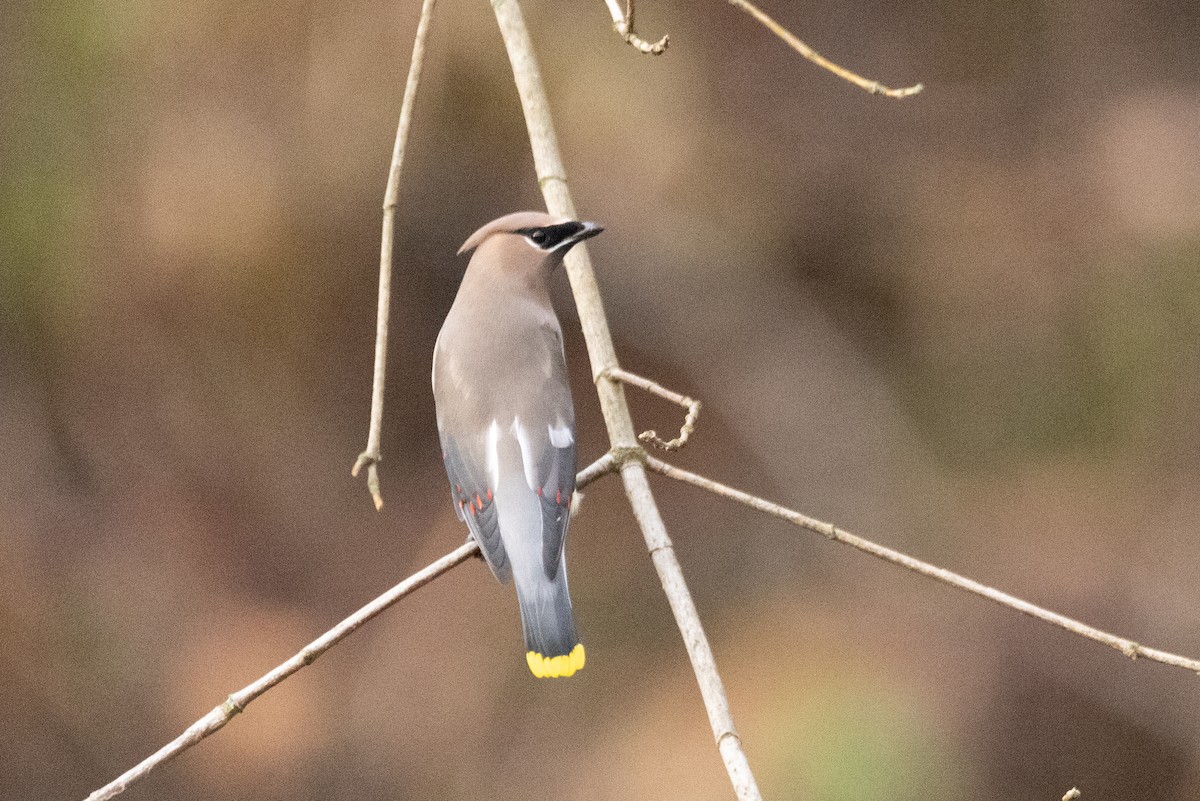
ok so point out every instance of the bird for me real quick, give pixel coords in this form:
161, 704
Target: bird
507, 423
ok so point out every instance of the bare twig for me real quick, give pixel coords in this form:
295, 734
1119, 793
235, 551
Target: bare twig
1129, 648
601, 467
552, 180
623, 25
651, 436
372, 456
238, 701
874, 87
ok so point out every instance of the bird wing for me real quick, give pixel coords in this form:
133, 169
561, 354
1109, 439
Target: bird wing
474, 502
514, 390
555, 457
556, 486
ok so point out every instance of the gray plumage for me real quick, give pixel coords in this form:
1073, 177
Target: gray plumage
507, 424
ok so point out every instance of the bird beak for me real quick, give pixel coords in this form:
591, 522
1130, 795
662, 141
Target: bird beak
590, 229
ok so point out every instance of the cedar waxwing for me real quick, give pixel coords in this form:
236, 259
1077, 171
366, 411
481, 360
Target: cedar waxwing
507, 424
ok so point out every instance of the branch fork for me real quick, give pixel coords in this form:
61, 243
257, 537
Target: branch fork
623, 25
626, 456
371, 457
370, 460
651, 437
237, 701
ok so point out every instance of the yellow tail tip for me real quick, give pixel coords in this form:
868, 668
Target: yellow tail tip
553, 667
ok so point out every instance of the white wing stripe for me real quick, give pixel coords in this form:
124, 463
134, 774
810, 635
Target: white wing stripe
560, 434
526, 453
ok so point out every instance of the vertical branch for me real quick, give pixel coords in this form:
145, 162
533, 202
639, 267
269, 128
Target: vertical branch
372, 456
553, 182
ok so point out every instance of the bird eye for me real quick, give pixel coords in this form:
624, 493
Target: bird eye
538, 237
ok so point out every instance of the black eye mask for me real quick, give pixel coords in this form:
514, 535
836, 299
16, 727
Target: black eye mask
551, 237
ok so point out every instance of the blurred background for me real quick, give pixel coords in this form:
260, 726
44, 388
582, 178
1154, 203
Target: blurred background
963, 325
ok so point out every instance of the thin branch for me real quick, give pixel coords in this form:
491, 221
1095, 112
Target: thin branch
651, 436
372, 456
553, 182
623, 25
238, 701
1129, 648
874, 87
601, 467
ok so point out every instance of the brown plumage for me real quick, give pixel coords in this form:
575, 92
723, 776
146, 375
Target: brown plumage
507, 424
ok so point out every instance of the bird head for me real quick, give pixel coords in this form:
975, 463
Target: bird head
528, 241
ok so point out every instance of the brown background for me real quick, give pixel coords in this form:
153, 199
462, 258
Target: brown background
962, 324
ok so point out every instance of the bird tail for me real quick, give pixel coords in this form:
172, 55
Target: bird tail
552, 648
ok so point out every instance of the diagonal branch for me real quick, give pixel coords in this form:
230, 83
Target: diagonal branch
623, 25
1130, 648
553, 182
215, 720
371, 457
874, 87
651, 436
